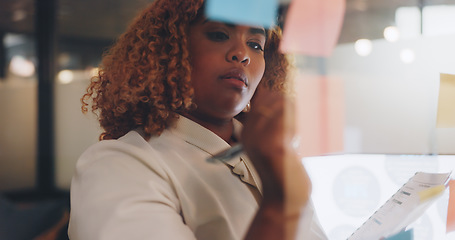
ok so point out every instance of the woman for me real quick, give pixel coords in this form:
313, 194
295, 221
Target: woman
166, 96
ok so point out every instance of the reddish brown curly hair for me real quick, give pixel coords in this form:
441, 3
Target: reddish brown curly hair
144, 78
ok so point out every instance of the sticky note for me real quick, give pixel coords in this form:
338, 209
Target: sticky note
245, 12
431, 193
403, 235
451, 208
320, 114
446, 102
312, 27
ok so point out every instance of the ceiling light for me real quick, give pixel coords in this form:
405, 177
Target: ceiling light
65, 76
21, 66
92, 72
363, 47
391, 34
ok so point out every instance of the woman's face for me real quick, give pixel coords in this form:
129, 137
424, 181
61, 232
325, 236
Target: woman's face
228, 64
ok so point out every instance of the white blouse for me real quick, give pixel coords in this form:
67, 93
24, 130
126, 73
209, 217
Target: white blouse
166, 189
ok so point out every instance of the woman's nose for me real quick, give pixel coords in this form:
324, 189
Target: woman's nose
238, 53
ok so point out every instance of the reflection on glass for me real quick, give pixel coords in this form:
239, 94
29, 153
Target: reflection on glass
18, 127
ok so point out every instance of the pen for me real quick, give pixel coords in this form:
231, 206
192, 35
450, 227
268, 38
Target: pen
227, 154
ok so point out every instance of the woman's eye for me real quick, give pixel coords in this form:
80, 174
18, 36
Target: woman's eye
255, 46
217, 36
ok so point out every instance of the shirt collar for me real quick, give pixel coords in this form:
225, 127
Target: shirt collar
208, 141
203, 138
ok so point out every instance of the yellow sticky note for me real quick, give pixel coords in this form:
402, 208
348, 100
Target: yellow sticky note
446, 102
431, 193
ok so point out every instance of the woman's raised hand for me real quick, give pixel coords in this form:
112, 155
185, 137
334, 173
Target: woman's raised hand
269, 140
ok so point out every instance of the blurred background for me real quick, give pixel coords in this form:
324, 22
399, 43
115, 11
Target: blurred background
387, 63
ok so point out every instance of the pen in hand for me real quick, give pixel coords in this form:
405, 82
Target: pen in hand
227, 154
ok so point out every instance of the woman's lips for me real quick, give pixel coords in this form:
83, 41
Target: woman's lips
237, 77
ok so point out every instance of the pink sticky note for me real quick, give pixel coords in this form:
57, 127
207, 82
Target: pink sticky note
451, 209
312, 27
320, 114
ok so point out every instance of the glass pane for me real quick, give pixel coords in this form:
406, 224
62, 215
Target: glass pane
18, 108
389, 59
86, 29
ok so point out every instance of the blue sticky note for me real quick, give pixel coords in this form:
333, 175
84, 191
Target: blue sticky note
245, 12
403, 235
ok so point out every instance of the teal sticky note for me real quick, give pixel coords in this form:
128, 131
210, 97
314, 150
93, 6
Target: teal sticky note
403, 235
245, 12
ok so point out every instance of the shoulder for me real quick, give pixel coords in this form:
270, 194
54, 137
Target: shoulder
113, 181
113, 168
130, 152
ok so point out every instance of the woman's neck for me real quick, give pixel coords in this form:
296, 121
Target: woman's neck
224, 128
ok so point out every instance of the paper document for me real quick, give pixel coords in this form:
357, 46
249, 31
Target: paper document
404, 207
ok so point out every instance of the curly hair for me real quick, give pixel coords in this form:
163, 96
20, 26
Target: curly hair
144, 79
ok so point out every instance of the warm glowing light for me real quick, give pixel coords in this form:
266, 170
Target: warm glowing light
391, 34
407, 55
21, 66
19, 15
65, 76
93, 72
363, 47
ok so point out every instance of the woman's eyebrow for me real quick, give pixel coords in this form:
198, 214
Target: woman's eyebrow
257, 31
253, 30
